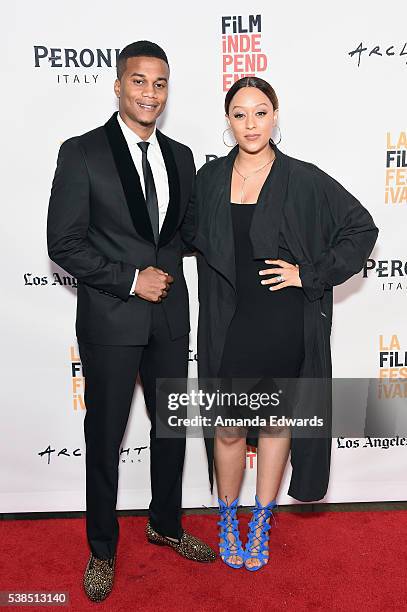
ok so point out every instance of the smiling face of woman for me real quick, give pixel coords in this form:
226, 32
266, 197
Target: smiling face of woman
252, 119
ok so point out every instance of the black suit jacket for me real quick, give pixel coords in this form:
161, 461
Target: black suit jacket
99, 231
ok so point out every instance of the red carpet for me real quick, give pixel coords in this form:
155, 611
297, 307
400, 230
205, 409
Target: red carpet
321, 561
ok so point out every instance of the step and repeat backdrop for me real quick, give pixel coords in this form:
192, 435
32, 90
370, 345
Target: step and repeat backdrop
340, 79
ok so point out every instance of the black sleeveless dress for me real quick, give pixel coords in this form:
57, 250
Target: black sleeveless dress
266, 336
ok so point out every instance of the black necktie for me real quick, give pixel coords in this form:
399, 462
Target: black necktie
151, 194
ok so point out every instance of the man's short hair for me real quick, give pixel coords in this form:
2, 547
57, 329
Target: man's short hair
141, 48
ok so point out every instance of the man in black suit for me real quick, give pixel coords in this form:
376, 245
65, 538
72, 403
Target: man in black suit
118, 214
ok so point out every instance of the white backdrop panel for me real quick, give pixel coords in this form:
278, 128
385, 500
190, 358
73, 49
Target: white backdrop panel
332, 112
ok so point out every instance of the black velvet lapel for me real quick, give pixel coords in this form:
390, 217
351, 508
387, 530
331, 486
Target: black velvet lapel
129, 178
171, 218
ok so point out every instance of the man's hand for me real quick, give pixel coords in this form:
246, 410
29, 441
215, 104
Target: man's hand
289, 275
153, 284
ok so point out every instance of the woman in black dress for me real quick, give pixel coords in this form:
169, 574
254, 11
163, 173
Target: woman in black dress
265, 274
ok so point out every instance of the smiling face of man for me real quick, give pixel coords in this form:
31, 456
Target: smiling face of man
142, 91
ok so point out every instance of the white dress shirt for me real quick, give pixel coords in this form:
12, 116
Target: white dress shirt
158, 169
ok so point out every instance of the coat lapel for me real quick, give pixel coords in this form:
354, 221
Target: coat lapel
220, 227
172, 216
130, 179
265, 228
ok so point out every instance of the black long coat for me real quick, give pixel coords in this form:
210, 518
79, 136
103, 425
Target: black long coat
330, 235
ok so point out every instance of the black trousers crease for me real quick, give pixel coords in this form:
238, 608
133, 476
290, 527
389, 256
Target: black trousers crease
110, 376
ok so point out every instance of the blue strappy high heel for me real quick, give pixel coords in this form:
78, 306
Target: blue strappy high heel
229, 539
258, 537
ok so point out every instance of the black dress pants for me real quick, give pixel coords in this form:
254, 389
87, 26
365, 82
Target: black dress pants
110, 376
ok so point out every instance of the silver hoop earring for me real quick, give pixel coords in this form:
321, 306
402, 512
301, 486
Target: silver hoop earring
279, 133
223, 138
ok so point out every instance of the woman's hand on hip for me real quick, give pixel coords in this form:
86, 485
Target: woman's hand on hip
288, 275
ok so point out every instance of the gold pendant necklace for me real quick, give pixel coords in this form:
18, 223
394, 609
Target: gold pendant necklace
249, 175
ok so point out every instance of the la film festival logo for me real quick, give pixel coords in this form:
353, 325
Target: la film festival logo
392, 368
242, 54
395, 191
392, 358
75, 66
78, 381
